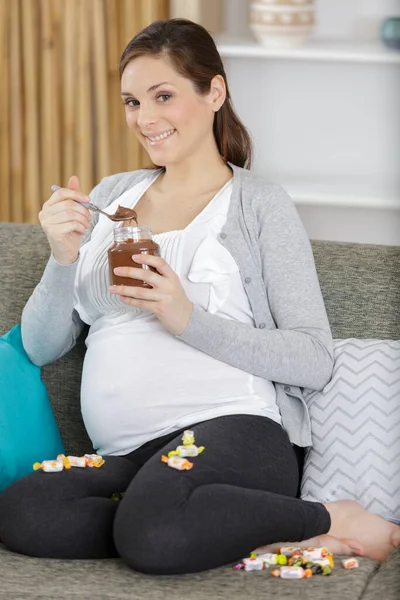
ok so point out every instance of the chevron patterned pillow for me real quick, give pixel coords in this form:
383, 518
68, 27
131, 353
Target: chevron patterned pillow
355, 423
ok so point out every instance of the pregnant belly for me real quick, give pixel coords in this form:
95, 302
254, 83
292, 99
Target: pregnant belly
149, 380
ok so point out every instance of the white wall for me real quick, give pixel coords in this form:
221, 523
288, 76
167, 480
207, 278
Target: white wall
339, 19
346, 19
327, 131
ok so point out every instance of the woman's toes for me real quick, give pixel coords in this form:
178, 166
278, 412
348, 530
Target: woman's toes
395, 537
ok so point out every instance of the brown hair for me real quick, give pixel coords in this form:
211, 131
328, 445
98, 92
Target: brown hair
193, 53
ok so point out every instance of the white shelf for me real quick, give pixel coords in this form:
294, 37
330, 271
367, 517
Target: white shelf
314, 50
345, 201
344, 198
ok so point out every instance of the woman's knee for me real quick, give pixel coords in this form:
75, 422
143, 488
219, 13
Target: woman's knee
21, 527
155, 546
44, 515
150, 536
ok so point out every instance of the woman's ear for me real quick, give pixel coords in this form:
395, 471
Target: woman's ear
217, 92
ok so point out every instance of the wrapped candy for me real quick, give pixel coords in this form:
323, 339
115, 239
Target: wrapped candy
66, 462
188, 437
289, 550
184, 451
350, 563
77, 461
188, 448
177, 462
292, 573
311, 553
269, 558
94, 460
324, 562
49, 466
253, 564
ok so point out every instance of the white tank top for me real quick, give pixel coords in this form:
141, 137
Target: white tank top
139, 381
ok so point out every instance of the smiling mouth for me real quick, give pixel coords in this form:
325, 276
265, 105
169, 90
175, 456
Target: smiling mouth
160, 138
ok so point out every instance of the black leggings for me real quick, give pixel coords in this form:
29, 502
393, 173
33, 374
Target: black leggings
240, 494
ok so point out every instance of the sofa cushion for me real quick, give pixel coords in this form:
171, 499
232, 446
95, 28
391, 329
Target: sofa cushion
355, 423
28, 431
53, 579
25, 251
360, 284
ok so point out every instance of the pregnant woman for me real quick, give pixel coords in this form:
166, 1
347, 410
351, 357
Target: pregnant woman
229, 330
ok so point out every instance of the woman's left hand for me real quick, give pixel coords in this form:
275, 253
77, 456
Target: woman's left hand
166, 299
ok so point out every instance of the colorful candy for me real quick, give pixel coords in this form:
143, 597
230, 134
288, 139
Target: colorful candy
315, 553
324, 562
49, 466
94, 460
288, 550
350, 563
292, 573
188, 448
177, 462
66, 462
183, 451
295, 563
268, 558
253, 564
77, 461
188, 437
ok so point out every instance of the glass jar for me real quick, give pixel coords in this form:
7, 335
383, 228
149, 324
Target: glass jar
129, 241
390, 32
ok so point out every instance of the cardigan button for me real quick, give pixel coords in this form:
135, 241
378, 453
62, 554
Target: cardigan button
261, 326
247, 280
287, 388
223, 236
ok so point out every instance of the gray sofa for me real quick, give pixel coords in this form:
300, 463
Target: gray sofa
361, 288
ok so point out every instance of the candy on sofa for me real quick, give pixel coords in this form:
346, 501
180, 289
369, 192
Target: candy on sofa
268, 558
350, 563
292, 573
289, 550
253, 564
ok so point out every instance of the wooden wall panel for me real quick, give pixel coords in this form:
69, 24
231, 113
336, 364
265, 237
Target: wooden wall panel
5, 132
60, 109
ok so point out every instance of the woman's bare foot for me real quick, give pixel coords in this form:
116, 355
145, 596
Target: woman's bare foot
376, 536
333, 544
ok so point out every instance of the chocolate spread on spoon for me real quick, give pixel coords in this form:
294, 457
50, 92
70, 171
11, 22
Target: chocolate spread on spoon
125, 214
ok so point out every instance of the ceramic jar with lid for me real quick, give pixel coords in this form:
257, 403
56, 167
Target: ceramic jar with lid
282, 23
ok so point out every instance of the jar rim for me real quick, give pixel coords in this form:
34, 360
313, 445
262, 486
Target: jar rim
132, 229
136, 233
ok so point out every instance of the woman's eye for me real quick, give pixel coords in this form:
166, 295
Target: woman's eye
164, 97
131, 102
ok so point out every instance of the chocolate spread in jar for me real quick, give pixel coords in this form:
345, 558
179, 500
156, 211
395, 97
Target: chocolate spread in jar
120, 255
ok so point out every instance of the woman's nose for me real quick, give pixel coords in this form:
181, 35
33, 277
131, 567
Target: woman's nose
146, 116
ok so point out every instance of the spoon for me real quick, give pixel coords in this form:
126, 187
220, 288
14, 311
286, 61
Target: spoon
94, 208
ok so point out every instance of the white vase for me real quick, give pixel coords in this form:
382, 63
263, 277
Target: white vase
282, 23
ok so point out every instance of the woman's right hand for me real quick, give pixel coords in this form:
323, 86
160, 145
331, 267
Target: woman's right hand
64, 221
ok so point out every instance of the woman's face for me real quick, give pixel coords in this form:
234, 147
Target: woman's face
170, 119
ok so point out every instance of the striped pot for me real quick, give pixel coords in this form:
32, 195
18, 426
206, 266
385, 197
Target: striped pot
282, 23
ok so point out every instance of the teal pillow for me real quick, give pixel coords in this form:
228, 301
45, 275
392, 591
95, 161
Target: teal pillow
28, 430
